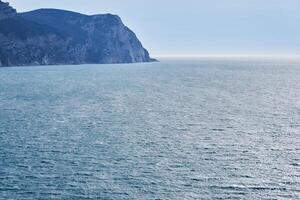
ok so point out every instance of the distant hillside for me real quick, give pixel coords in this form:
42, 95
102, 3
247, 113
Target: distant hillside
50, 36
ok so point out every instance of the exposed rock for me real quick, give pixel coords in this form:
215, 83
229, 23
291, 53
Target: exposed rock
6, 11
50, 36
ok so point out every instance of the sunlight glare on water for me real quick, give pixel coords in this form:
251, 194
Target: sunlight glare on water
178, 129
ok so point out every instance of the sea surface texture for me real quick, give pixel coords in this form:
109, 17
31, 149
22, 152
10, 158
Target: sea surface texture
178, 129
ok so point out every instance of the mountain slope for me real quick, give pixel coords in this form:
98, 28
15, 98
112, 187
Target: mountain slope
50, 36
104, 37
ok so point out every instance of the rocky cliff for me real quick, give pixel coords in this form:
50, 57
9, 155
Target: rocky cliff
50, 36
6, 11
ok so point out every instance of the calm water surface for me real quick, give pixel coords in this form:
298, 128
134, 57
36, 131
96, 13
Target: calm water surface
179, 129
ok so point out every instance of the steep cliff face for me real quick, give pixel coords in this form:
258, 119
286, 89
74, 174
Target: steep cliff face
102, 38
50, 36
6, 11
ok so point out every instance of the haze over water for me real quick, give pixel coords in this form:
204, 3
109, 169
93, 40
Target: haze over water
178, 129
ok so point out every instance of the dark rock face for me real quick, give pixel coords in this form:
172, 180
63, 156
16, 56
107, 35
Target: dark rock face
50, 36
6, 11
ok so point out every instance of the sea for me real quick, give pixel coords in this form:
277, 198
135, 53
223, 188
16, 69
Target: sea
178, 129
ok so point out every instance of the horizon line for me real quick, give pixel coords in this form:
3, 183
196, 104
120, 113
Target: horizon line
230, 56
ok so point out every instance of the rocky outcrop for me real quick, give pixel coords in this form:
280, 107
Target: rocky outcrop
6, 11
50, 36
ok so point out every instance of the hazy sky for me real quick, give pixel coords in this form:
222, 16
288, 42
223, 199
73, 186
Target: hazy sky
198, 27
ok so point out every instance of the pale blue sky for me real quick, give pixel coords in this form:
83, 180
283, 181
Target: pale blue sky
198, 27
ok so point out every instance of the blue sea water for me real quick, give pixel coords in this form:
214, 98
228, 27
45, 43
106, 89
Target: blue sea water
178, 129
